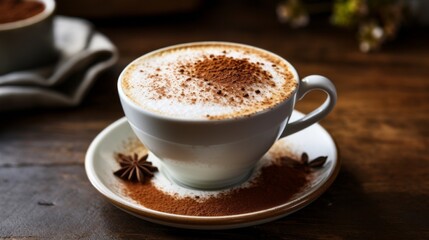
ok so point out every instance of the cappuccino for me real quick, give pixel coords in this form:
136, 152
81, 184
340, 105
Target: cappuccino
16, 10
208, 81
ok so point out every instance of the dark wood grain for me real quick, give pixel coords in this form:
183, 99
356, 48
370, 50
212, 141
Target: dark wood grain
380, 126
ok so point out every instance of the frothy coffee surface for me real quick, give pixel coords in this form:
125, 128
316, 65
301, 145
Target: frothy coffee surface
208, 81
15, 10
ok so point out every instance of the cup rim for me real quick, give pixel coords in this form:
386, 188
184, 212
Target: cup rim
47, 11
159, 116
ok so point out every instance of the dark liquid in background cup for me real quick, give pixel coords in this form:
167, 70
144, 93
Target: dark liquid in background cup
16, 10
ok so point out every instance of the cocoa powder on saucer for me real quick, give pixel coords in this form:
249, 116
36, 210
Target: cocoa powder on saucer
276, 184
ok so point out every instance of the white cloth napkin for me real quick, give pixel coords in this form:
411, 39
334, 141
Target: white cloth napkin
83, 54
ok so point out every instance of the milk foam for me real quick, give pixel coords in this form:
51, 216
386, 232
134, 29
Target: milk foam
159, 83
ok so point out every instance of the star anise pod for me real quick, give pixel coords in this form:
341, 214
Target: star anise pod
305, 163
134, 168
315, 163
318, 162
304, 158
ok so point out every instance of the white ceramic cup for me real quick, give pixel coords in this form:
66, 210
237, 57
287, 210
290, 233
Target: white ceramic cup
213, 154
28, 43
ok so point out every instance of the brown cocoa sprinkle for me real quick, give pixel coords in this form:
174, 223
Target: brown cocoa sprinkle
224, 52
15, 10
231, 74
257, 91
275, 185
157, 69
160, 91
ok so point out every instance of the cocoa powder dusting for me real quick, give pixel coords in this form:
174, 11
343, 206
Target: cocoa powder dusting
230, 76
15, 10
226, 81
275, 185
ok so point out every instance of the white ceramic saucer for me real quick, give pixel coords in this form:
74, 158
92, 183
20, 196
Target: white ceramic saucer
100, 164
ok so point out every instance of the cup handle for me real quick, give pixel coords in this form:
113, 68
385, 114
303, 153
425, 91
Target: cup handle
310, 83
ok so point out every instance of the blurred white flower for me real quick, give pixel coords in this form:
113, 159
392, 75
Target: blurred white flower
371, 36
292, 12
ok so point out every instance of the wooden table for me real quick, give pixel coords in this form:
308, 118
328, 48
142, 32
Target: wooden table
380, 126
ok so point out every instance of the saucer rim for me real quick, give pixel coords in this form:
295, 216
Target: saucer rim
204, 222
